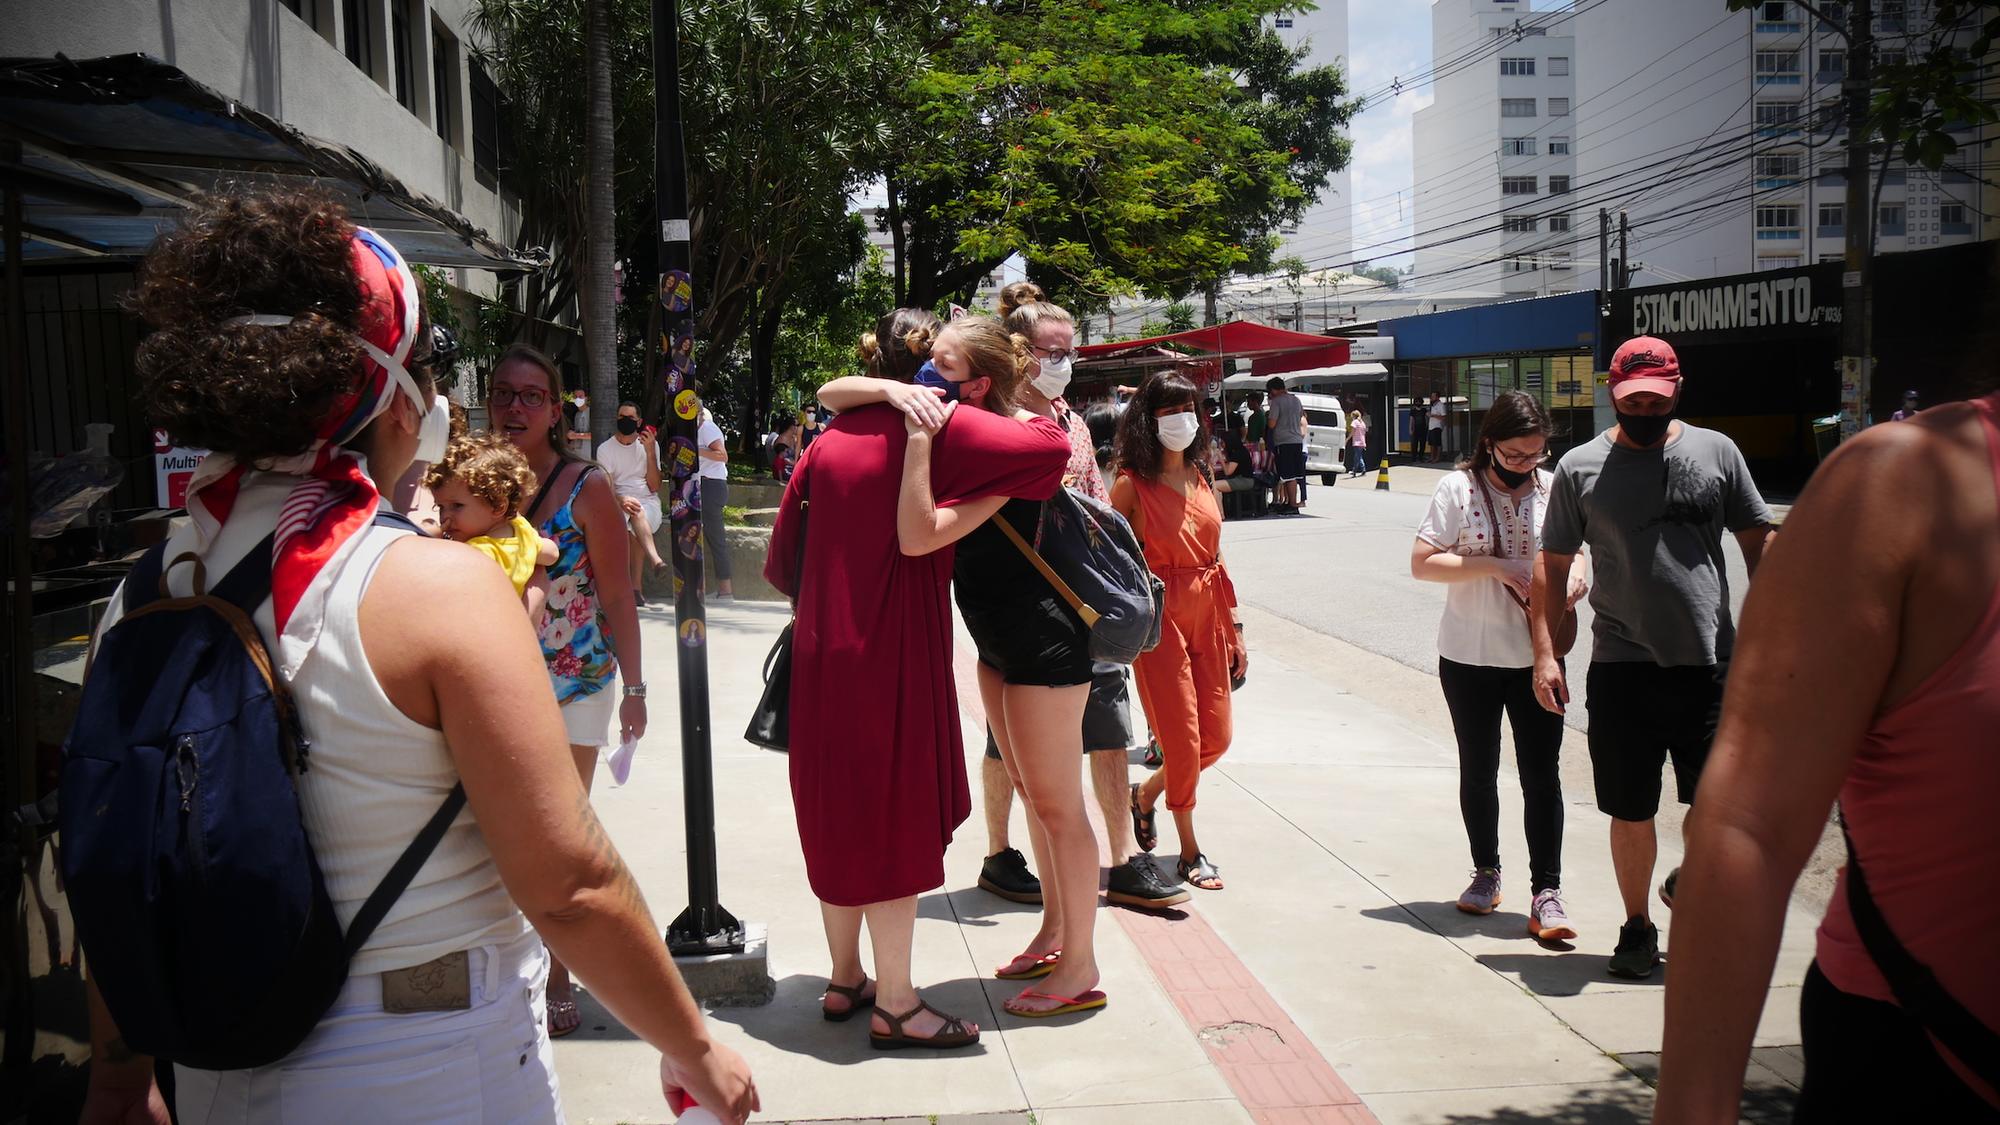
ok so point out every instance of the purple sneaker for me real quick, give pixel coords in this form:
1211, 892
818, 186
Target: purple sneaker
1484, 893
1547, 920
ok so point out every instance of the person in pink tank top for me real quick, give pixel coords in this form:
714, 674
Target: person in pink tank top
1877, 681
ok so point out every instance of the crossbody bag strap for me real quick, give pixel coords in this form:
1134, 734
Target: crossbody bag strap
405, 869
1493, 525
1088, 614
1915, 987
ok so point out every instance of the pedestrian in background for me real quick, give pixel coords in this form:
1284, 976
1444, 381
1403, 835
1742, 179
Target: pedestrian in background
590, 636
1287, 429
1436, 417
1869, 670
1357, 441
1479, 537
414, 671
1909, 410
877, 768
631, 457
712, 454
1651, 497
1184, 683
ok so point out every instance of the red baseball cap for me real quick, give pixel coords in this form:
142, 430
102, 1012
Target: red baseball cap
1645, 363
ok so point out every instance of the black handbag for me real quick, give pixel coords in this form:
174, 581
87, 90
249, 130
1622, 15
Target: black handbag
771, 721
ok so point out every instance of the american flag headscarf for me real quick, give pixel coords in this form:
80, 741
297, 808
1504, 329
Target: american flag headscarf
334, 498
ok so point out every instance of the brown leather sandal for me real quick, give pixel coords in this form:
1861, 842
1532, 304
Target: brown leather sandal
953, 1034
855, 1000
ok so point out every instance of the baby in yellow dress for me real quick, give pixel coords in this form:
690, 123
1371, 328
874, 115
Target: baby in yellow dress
479, 487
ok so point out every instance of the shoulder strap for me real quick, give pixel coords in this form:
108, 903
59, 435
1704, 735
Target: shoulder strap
1915, 987
1088, 614
405, 869
1493, 528
143, 584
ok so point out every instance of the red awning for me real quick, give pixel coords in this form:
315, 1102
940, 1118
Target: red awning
1272, 350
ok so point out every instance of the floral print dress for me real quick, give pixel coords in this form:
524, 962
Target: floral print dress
576, 640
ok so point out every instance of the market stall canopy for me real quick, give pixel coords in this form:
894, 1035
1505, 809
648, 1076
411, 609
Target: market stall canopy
1346, 372
106, 152
1271, 350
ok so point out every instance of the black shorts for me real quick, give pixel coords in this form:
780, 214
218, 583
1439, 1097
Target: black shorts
1107, 716
1291, 462
1640, 715
1041, 643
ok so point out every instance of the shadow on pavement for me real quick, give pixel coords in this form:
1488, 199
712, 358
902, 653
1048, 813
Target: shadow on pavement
791, 1021
1767, 1097
1447, 920
598, 1024
1596, 1105
1563, 974
971, 906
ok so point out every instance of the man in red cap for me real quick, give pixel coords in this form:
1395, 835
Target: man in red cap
1652, 497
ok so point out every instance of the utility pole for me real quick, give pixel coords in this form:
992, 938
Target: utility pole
1624, 251
1604, 248
1857, 361
1208, 302
704, 927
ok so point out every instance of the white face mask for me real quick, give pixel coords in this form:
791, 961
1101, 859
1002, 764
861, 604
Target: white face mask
1177, 430
435, 433
1053, 380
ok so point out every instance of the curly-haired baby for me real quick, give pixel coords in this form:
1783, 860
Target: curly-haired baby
480, 486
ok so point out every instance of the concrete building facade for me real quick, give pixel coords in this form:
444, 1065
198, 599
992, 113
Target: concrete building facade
1324, 235
1495, 151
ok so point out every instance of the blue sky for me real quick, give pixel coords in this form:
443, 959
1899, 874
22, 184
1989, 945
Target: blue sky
1386, 39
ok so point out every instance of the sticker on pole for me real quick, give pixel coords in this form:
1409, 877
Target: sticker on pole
692, 634
686, 406
677, 291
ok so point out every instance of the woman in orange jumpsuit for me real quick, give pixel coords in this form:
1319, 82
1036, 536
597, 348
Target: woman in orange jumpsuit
1184, 684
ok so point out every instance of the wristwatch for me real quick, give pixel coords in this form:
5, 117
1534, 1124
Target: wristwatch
636, 691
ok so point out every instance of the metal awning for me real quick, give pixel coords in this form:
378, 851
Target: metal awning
1345, 373
106, 152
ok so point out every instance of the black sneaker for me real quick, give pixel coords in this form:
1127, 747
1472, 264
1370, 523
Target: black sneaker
1136, 882
1638, 950
1006, 874
1667, 887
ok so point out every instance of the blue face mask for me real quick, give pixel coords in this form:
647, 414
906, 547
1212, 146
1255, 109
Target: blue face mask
927, 376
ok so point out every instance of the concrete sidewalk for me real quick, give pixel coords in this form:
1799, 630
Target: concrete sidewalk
1331, 981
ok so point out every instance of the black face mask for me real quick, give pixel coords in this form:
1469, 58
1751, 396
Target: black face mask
628, 426
1644, 430
1510, 478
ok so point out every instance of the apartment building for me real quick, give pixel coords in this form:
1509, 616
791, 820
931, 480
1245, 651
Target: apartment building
1723, 137
393, 80
1324, 234
1496, 151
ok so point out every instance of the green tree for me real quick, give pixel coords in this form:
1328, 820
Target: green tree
1387, 275
1150, 145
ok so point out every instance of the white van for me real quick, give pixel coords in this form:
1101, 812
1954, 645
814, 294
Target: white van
1326, 436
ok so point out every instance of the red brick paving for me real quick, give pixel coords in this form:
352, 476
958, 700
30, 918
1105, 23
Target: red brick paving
1278, 1075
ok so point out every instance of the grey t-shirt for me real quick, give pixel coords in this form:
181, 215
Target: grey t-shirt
1287, 418
1654, 520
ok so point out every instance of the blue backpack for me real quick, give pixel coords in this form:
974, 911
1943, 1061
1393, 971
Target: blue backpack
1088, 553
197, 897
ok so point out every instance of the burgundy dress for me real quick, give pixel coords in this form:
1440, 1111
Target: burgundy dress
878, 772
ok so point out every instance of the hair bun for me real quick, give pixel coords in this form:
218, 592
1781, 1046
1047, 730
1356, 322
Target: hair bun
1019, 293
917, 341
869, 350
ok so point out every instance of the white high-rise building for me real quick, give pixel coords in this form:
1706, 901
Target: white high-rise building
1325, 233
1495, 151
1723, 138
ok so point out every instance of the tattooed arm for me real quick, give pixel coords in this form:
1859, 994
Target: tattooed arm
484, 684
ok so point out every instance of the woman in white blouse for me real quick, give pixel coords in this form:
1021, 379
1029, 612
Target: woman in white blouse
1479, 537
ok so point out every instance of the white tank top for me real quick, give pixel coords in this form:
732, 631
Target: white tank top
375, 776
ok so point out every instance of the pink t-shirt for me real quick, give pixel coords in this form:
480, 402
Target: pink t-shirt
1919, 803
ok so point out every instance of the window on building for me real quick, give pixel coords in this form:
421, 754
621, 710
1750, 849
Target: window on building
1517, 185
1559, 222
1517, 107
1530, 32
1780, 166
485, 128
1778, 262
307, 10
403, 45
1890, 218
1521, 68
1777, 67
1832, 219
1953, 215
1832, 66
360, 36
444, 84
1826, 259
1889, 15
1558, 146
1775, 117
1561, 261
1518, 224
1778, 221
1558, 107
1777, 11
1833, 15
1893, 57
1558, 185
1517, 146
1559, 66
1284, 22
1521, 263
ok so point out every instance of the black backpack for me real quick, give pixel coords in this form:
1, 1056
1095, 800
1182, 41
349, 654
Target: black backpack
197, 896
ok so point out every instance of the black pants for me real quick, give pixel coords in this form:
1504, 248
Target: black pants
1477, 696
1869, 1061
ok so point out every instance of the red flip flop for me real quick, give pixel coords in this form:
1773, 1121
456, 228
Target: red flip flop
1065, 1004
1037, 966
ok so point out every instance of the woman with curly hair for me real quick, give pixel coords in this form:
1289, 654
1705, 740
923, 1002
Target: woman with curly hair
1184, 684
591, 634
290, 343
878, 771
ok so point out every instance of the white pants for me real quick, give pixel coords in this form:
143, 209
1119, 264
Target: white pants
491, 1063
